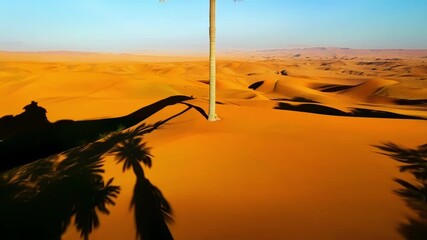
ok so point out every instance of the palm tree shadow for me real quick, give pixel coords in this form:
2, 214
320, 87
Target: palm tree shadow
40, 138
414, 194
39, 200
151, 209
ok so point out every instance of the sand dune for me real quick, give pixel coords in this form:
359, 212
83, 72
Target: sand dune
260, 172
368, 89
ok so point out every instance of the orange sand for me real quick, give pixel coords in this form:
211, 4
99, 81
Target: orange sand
259, 173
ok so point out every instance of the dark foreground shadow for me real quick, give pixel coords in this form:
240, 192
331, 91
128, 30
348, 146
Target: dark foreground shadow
30, 136
414, 161
39, 200
151, 209
355, 112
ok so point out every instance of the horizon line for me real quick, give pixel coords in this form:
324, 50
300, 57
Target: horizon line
155, 52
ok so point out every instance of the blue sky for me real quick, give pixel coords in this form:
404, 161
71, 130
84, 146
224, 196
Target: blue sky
182, 25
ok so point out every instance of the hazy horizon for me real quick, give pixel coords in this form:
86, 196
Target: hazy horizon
172, 52
182, 26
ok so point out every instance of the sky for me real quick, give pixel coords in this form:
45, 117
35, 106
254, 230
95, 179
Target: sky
183, 25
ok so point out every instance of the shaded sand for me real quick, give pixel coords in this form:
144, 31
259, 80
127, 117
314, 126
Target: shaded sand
259, 173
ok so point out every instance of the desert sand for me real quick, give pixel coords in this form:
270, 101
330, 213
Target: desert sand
260, 172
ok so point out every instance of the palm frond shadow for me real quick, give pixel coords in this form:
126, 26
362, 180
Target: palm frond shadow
414, 194
39, 200
151, 209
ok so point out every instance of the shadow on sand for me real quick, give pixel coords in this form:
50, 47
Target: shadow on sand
355, 112
414, 161
39, 200
151, 209
30, 136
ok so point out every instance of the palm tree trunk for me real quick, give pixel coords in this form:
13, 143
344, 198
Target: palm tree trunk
212, 62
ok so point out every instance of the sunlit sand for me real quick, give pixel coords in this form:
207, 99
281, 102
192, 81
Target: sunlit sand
303, 169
